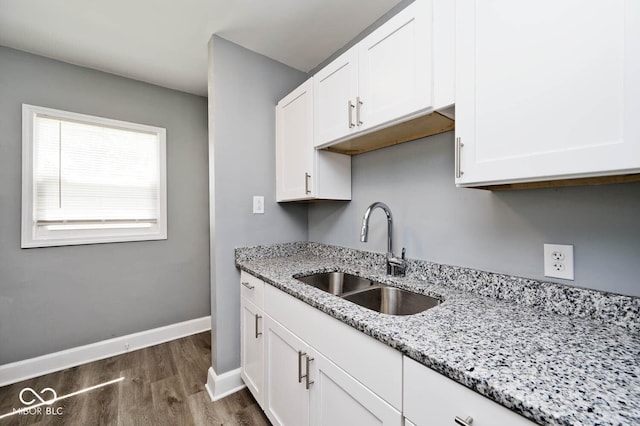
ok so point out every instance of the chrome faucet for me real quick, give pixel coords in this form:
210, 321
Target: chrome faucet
395, 266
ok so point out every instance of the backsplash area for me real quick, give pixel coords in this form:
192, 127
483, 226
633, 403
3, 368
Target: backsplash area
498, 231
604, 307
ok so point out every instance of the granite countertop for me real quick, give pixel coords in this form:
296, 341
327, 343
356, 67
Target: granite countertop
577, 367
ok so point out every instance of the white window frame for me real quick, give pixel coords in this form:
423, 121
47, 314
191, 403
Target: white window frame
30, 238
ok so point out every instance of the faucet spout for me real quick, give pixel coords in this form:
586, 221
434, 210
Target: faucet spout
364, 232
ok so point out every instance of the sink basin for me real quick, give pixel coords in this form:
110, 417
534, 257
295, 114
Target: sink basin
370, 294
392, 301
337, 283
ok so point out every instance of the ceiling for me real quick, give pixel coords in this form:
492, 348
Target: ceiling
164, 42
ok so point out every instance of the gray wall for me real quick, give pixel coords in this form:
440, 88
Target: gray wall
61, 297
244, 88
492, 231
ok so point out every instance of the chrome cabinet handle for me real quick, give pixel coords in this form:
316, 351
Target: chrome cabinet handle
358, 107
308, 382
258, 334
459, 145
307, 177
300, 355
466, 422
247, 285
351, 106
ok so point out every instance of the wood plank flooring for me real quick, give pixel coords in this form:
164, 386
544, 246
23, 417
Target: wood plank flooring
161, 385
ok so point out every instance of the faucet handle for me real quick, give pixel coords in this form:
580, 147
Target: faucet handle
403, 263
395, 266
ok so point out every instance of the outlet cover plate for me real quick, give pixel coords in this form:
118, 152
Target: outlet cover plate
258, 204
558, 261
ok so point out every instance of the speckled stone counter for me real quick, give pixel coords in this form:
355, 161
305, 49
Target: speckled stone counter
557, 355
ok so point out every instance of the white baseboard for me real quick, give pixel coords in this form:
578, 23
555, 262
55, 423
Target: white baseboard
45, 364
223, 385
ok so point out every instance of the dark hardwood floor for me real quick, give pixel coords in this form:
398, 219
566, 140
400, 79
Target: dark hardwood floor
160, 385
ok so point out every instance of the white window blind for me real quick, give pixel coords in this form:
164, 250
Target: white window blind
93, 179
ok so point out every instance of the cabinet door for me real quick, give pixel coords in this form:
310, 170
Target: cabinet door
294, 144
335, 91
541, 94
433, 399
336, 398
252, 349
395, 73
287, 400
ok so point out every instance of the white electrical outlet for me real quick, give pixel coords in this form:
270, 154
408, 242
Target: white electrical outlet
258, 204
558, 261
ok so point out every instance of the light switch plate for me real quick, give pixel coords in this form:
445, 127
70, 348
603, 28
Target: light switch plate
258, 204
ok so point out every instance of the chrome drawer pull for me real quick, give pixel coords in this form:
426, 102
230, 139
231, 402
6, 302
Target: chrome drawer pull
307, 381
300, 355
247, 285
258, 334
459, 145
466, 422
351, 107
307, 176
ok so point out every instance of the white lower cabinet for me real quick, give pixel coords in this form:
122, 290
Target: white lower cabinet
302, 385
287, 400
304, 388
433, 399
252, 349
336, 398
252, 335
306, 368
359, 355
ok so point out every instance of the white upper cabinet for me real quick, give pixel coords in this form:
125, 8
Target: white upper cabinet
394, 68
388, 77
336, 89
302, 173
294, 143
546, 90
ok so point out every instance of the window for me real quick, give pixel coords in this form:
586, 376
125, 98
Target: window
89, 180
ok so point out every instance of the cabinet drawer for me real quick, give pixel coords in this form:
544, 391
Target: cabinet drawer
433, 399
252, 289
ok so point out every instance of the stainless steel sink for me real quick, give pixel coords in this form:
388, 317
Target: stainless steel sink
393, 301
337, 283
371, 294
